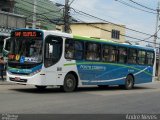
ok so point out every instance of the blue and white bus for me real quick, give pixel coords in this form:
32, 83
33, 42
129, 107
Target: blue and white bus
46, 58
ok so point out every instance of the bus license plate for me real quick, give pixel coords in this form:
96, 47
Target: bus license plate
17, 78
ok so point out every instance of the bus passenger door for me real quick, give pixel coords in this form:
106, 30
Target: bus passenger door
52, 55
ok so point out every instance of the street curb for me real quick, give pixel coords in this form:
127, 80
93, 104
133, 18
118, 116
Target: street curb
156, 79
6, 83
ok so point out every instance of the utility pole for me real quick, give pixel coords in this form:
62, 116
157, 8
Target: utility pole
157, 24
34, 14
66, 17
155, 38
158, 63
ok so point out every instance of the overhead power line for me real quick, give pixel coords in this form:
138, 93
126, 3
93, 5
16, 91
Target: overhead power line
38, 6
127, 4
38, 16
50, 20
97, 18
152, 36
42, 12
71, 2
142, 5
112, 23
120, 34
48, 11
31, 13
53, 3
78, 11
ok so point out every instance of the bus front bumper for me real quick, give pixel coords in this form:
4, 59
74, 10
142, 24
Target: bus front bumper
21, 79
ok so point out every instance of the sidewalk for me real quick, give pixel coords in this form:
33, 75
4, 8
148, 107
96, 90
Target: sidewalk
5, 82
157, 79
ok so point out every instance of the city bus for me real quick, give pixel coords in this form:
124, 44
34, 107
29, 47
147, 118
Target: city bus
52, 58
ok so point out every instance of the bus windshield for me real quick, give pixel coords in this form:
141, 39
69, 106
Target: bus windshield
25, 50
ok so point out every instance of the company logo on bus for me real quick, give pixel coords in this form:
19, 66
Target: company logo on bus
92, 68
21, 58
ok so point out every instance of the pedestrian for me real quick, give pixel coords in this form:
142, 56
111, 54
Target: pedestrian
2, 67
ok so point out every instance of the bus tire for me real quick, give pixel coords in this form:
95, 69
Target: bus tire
69, 84
122, 86
129, 82
40, 87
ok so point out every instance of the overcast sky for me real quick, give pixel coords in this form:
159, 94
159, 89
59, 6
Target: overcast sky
116, 12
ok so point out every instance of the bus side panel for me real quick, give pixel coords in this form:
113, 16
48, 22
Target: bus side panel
92, 73
144, 75
99, 74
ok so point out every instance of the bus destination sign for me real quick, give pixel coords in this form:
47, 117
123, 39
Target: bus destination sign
26, 34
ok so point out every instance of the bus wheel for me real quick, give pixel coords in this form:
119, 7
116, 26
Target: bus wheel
40, 87
69, 83
129, 83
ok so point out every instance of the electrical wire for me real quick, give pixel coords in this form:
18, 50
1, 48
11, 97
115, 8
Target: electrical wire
108, 22
39, 10
101, 20
50, 19
142, 5
48, 11
36, 5
31, 13
71, 2
119, 34
124, 3
112, 23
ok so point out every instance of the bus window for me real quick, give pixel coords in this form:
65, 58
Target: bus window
122, 55
78, 50
149, 58
53, 50
93, 51
132, 56
69, 49
105, 56
109, 53
141, 57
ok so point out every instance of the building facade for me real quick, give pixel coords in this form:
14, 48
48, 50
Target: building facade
47, 13
98, 30
7, 5
9, 20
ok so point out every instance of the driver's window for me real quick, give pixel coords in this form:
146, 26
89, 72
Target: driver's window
53, 50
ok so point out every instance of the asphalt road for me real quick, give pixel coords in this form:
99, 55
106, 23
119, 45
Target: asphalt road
86, 100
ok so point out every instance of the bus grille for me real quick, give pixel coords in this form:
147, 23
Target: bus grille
19, 80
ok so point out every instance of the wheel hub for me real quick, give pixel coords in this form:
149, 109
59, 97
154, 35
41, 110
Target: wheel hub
69, 83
